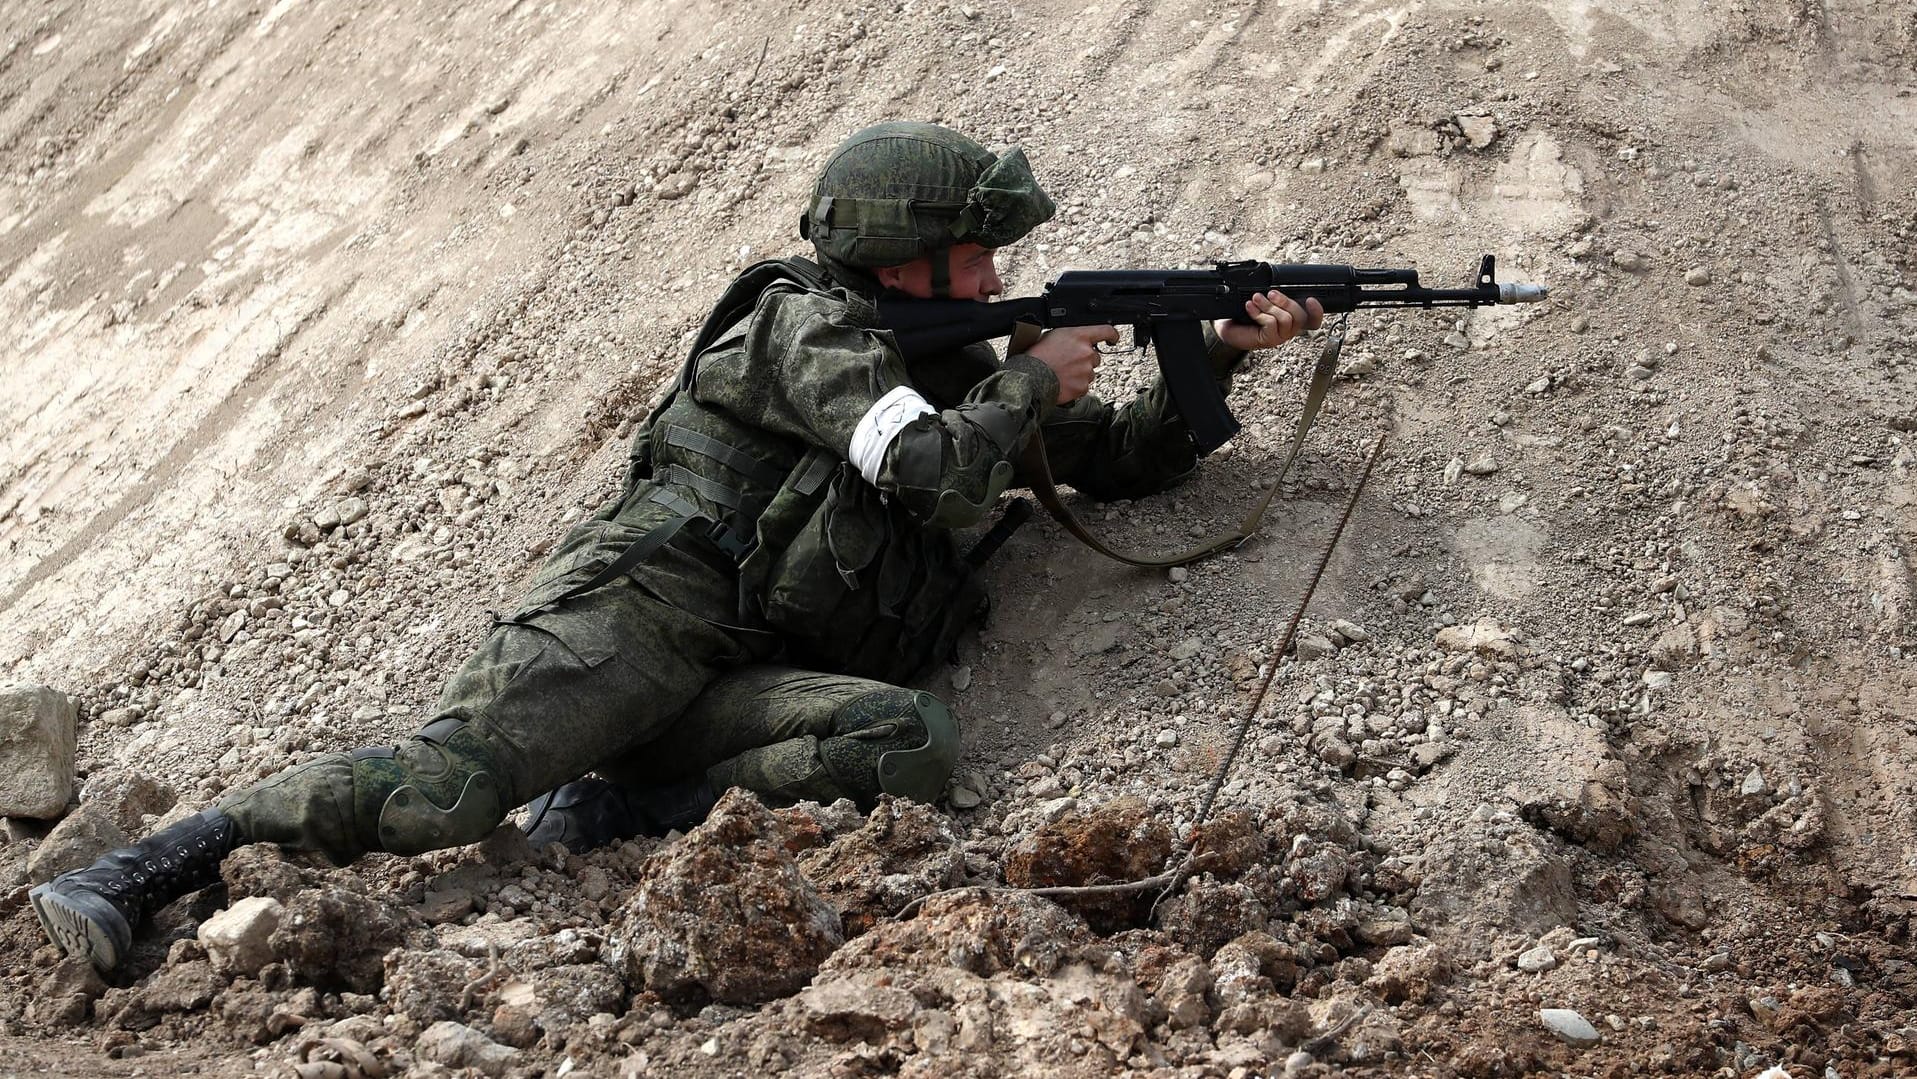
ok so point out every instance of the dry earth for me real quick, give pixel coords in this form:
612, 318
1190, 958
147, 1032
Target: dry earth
321, 320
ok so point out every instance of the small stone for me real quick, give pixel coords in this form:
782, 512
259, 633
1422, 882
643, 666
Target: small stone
965, 798
1360, 367
1583, 944
1482, 465
238, 939
1298, 1062
1717, 962
961, 679
351, 510
457, 1045
1177, 574
446, 905
1350, 631
1753, 783
1335, 752
1697, 275
1637, 372
1675, 648
1313, 646
1453, 470
1167, 738
1479, 131
120, 717
1570, 1026
1641, 618
676, 186
1538, 960
1386, 930
1630, 262
847, 1010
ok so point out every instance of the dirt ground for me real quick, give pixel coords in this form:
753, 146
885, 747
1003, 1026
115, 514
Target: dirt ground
318, 322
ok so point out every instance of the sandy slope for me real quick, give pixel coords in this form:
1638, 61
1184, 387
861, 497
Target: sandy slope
257, 259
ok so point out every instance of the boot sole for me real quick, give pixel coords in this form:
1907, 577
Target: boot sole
81, 924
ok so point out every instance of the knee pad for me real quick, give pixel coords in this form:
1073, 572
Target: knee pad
441, 788
895, 741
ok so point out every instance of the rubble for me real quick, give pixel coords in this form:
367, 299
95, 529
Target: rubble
725, 915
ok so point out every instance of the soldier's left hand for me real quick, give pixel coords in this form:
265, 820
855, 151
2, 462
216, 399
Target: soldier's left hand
1275, 319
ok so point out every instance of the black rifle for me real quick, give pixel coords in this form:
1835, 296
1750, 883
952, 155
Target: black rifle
1167, 307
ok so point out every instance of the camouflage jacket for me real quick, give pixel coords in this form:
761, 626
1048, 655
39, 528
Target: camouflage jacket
824, 477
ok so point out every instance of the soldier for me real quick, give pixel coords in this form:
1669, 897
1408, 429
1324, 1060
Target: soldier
780, 557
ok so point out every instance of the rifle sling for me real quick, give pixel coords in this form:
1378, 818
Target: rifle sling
1038, 473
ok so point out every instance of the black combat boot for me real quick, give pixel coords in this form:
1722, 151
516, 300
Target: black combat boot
590, 813
92, 912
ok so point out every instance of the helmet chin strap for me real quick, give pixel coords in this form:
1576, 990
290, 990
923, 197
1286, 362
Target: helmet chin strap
941, 273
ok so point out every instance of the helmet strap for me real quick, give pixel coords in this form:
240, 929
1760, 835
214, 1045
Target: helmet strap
941, 273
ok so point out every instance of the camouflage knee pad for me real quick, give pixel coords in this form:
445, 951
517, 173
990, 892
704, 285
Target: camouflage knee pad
892, 741
441, 788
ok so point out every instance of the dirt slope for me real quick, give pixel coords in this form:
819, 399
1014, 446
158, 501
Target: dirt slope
321, 321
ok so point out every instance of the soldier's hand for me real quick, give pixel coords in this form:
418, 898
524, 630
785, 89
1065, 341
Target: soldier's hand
1275, 319
1072, 354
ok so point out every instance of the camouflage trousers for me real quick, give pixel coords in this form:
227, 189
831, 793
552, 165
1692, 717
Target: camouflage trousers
614, 680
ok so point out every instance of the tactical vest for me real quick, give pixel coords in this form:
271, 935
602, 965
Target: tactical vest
845, 576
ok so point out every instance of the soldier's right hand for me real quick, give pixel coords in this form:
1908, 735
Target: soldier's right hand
1072, 354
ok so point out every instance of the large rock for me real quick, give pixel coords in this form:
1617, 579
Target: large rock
134, 795
725, 914
76, 843
1122, 840
332, 938
36, 751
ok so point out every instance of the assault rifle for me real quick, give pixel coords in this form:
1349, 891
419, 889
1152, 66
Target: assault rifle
1167, 307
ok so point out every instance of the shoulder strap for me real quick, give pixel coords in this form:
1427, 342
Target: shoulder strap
1038, 469
735, 303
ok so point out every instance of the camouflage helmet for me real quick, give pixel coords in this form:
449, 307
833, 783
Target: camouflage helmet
899, 191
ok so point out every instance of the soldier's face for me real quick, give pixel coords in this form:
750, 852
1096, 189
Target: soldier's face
973, 268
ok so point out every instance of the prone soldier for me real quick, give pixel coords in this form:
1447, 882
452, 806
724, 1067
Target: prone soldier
780, 557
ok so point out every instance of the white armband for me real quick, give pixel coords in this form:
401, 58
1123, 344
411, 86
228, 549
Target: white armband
880, 425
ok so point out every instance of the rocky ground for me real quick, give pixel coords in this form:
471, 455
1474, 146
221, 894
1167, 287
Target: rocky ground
321, 321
